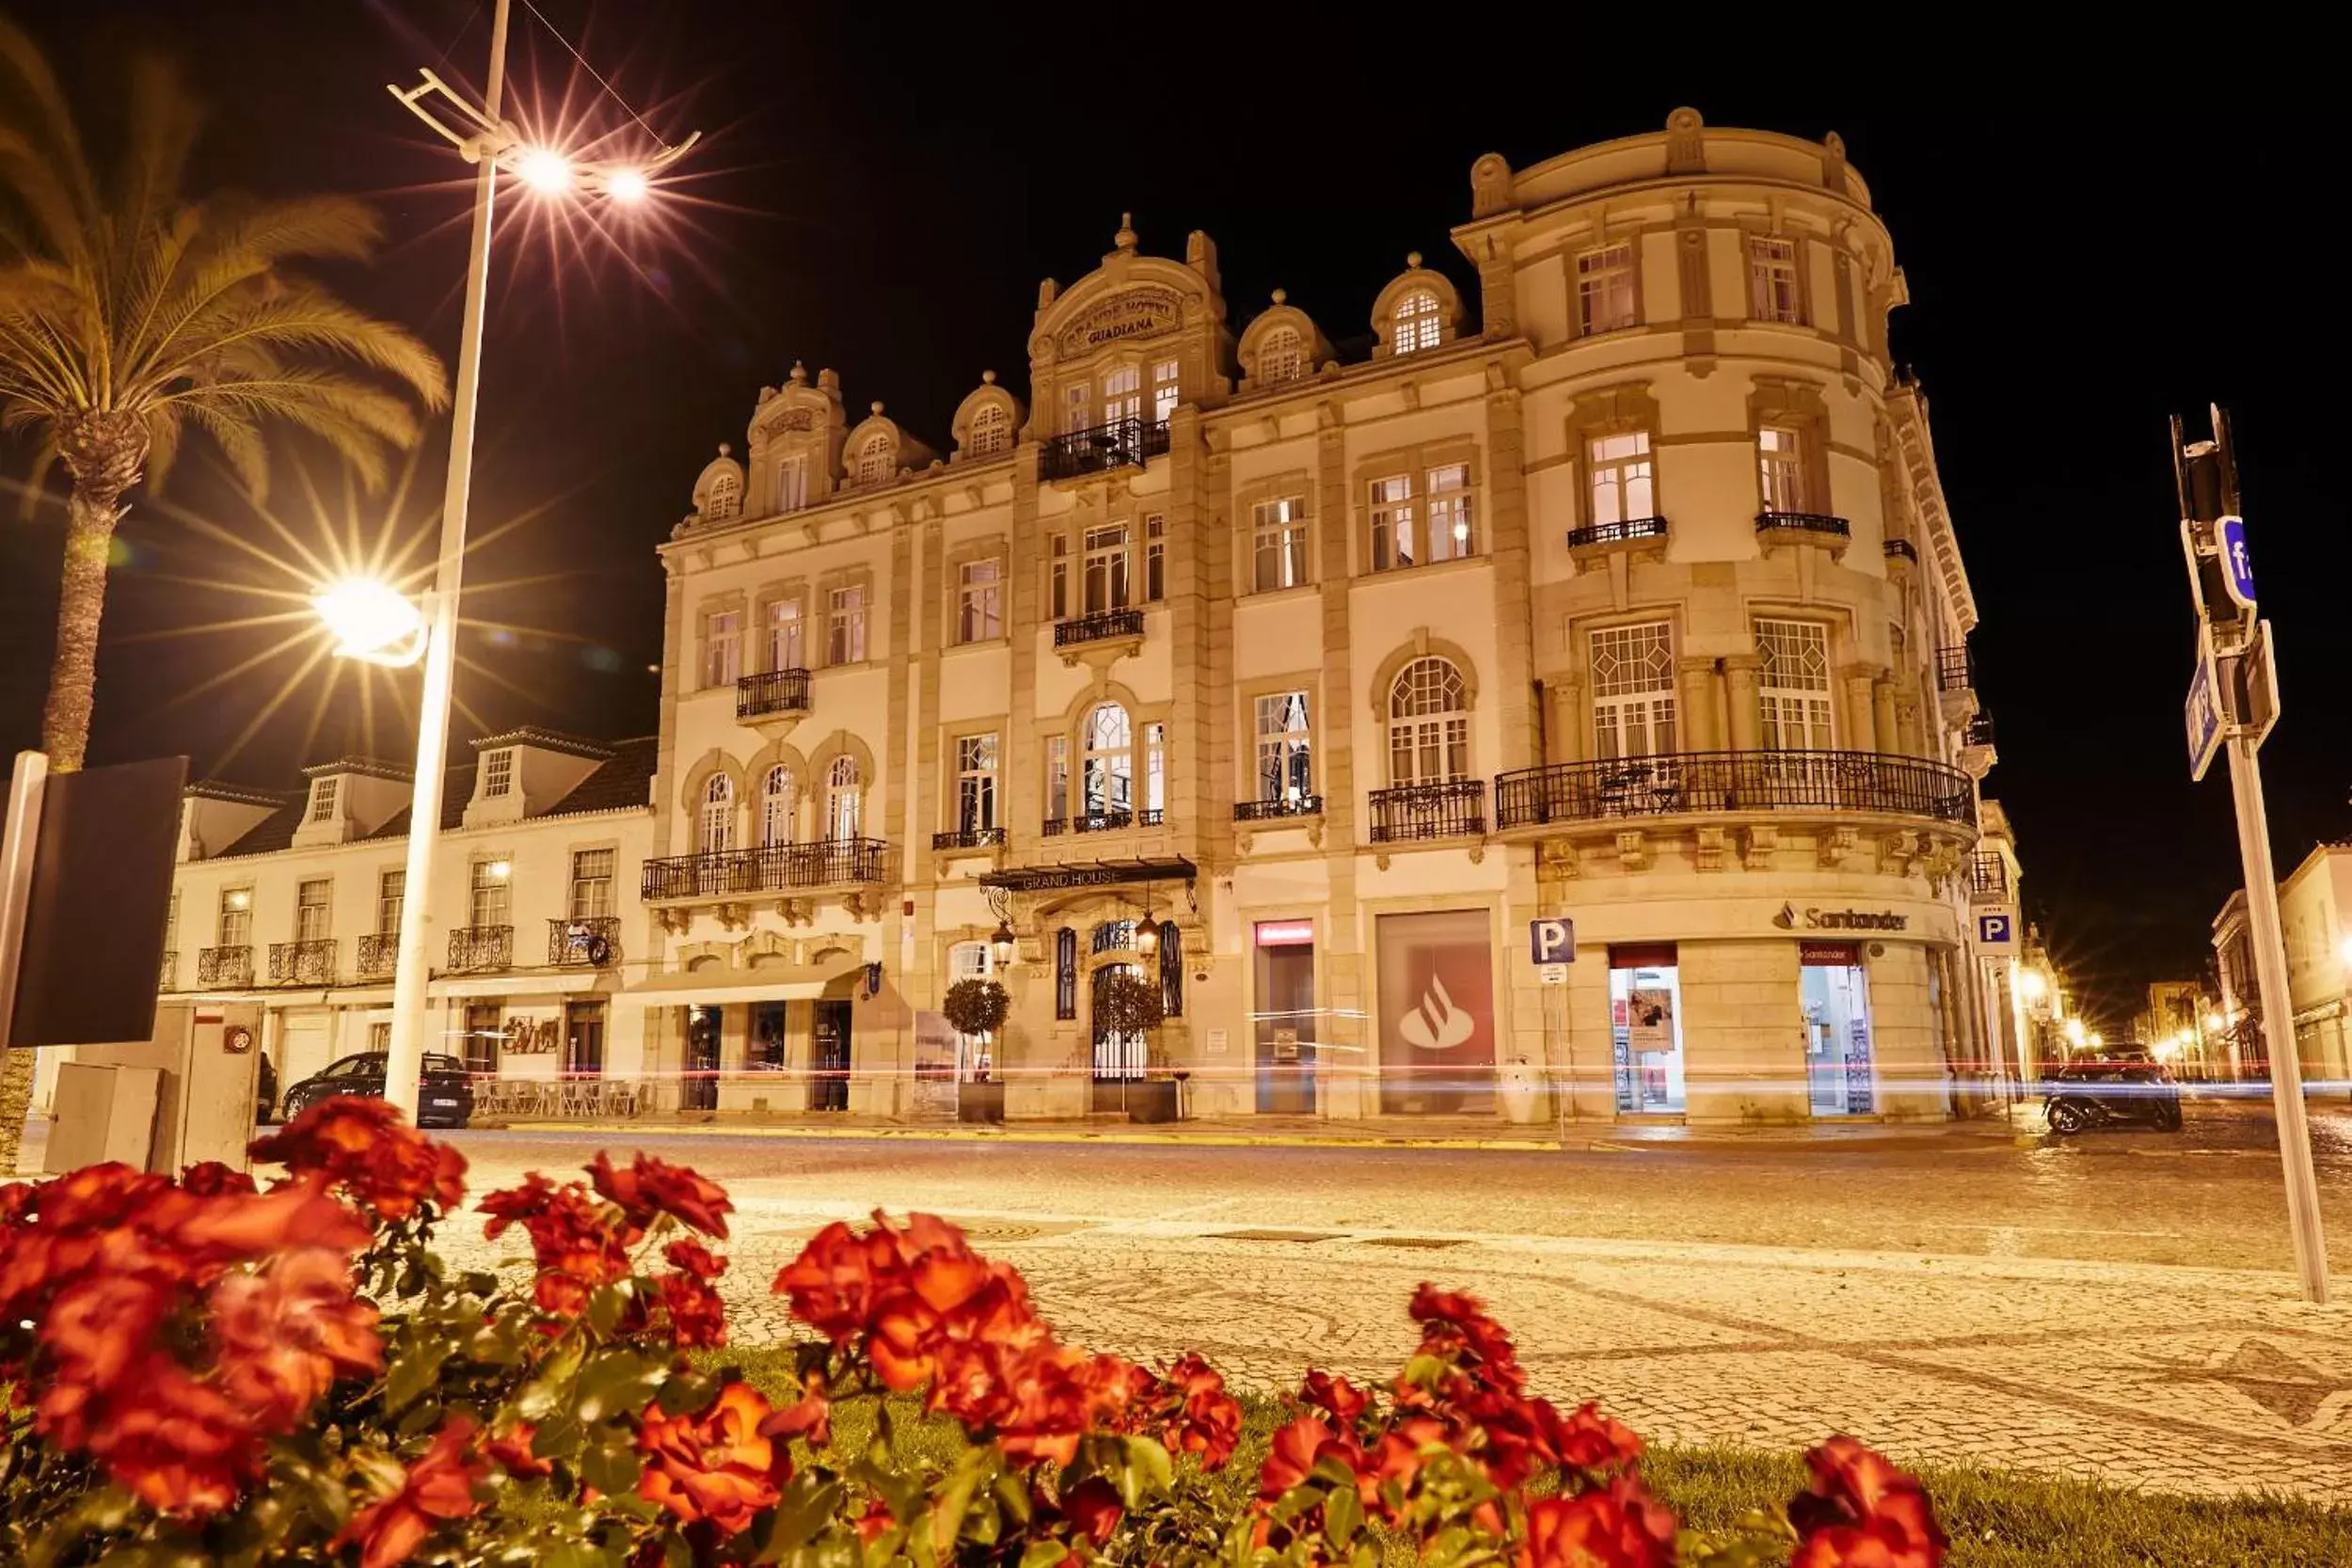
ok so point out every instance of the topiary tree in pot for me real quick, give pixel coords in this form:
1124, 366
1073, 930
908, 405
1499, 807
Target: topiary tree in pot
978, 1008
1128, 1001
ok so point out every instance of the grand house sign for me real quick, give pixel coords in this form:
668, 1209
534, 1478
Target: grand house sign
1134, 314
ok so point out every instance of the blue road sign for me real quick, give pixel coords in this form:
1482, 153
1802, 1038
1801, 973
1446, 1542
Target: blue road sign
2237, 570
2203, 715
1996, 931
1552, 941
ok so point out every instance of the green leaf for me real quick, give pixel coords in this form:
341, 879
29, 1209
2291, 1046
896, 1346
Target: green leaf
1045, 1554
1147, 1471
616, 1382
1342, 1516
808, 1505
691, 1393
419, 1366
611, 1467
605, 1308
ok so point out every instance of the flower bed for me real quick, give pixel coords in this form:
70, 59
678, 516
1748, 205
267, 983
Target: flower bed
206, 1371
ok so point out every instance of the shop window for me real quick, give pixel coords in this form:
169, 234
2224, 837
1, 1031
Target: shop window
1437, 1024
1646, 1028
1833, 993
484, 1031
765, 1050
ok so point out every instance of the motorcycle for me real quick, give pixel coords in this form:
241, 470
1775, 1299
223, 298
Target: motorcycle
2112, 1094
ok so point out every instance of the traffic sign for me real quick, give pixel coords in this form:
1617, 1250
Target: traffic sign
1552, 941
1996, 931
2203, 712
2237, 571
1553, 974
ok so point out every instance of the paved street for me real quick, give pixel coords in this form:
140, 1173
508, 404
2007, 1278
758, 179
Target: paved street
2116, 1308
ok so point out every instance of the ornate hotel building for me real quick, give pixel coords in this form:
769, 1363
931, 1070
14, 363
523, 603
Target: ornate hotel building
1307, 683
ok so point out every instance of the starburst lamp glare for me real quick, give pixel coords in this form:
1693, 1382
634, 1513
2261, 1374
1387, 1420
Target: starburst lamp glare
370, 620
626, 185
545, 170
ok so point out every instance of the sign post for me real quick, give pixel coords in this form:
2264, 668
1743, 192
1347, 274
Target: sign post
2240, 688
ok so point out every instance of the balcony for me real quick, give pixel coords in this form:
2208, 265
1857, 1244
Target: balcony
302, 963
1629, 531
1902, 549
1453, 810
1275, 811
773, 694
968, 838
778, 869
475, 949
1955, 669
224, 966
1103, 625
591, 943
168, 978
1103, 822
1988, 880
1977, 754
1819, 526
1702, 782
378, 952
1121, 444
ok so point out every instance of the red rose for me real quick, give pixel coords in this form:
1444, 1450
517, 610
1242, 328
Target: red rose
1587, 1440
1618, 1526
1341, 1400
281, 1337
698, 1320
179, 1447
438, 1487
715, 1465
363, 1145
810, 1417
691, 1257
1093, 1506
1862, 1511
1453, 1323
1292, 1455
210, 1179
1201, 1417
512, 1450
573, 1243
649, 1187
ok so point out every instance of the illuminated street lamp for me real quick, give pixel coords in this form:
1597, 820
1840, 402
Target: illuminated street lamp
372, 620
491, 143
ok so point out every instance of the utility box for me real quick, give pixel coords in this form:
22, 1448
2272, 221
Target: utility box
206, 1059
103, 1114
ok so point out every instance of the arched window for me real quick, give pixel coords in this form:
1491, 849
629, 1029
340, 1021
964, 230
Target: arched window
725, 496
779, 806
990, 432
1108, 752
1281, 356
1428, 724
717, 819
845, 799
1416, 321
873, 458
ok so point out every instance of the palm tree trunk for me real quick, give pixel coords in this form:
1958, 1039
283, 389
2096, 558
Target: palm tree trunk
91, 512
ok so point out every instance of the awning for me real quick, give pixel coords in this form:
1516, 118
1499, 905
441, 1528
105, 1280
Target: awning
682, 989
1082, 874
516, 985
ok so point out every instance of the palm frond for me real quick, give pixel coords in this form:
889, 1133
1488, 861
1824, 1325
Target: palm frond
305, 318
41, 162
361, 422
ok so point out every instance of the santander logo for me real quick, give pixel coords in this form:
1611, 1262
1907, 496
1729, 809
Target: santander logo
1437, 1024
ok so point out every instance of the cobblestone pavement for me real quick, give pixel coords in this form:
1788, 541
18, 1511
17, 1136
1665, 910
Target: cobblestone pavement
2115, 1309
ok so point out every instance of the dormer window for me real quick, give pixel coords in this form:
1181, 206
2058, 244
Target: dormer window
322, 794
992, 432
1281, 356
873, 459
727, 496
792, 482
497, 773
1417, 322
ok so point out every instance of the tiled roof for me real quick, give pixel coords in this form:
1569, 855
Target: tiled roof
626, 781
271, 833
457, 789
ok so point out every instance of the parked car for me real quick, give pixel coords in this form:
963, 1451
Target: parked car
444, 1090
2113, 1091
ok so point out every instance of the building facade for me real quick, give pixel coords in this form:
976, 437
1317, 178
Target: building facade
1302, 686
293, 900
2315, 925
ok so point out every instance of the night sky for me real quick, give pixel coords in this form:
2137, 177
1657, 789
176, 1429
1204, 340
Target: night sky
2088, 252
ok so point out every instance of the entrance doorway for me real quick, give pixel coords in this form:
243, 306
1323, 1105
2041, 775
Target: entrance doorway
1646, 1028
698, 1085
584, 1040
1120, 1055
1833, 994
829, 1058
482, 1033
1285, 1018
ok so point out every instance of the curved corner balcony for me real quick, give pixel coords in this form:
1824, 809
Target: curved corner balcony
1758, 783
1816, 528
724, 875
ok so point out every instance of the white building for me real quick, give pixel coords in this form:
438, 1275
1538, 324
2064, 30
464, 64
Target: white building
1625, 591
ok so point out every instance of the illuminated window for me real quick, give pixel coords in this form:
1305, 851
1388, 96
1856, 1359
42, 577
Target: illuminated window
1285, 757
779, 806
1165, 391
1793, 687
1109, 761
236, 917
873, 458
1106, 568
1633, 690
592, 885
490, 895
498, 772
313, 909
1123, 393
1780, 465
1281, 356
845, 799
1622, 487
1392, 523
1416, 323
976, 781
1077, 409
1604, 289
1279, 539
1451, 536
726, 496
717, 825
1428, 724
723, 648
1772, 293
323, 793
980, 601
792, 482
784, 634
845, 625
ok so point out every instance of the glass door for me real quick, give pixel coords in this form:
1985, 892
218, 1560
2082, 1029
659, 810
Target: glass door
829, 1058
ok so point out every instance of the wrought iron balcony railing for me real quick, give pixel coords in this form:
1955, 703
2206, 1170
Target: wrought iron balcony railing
1623, 533
1988, 877
1802, 522
1456, 809
1955, 668
1979, 731
593, 943
1100, 626
1901, 548
302, 963
224, 966
167, 978
378, 952
969, 838
1103, 822
775, 868
771, 692
1121, 444
1272, 810
474, 948
1681, 782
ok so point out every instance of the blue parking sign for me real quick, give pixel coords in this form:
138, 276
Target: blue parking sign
2238, 569
1996, 930
1552, 941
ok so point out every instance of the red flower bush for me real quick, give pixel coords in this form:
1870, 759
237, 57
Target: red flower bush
439, 1486
576, 1247
649, 1187
1618, 1526
363, 1146
715, 1467
1862, 1511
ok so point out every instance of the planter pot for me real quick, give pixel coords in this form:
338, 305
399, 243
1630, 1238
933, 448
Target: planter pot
980, 1102
1154, 1100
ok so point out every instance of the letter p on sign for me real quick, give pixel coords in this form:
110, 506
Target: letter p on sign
1552, 941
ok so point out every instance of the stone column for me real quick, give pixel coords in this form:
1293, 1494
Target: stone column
1695, 677
1883, 716
1567, 718
1907, 733
1740, 675
1861, 712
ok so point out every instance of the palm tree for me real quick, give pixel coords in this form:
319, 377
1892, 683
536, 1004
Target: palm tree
131, 312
